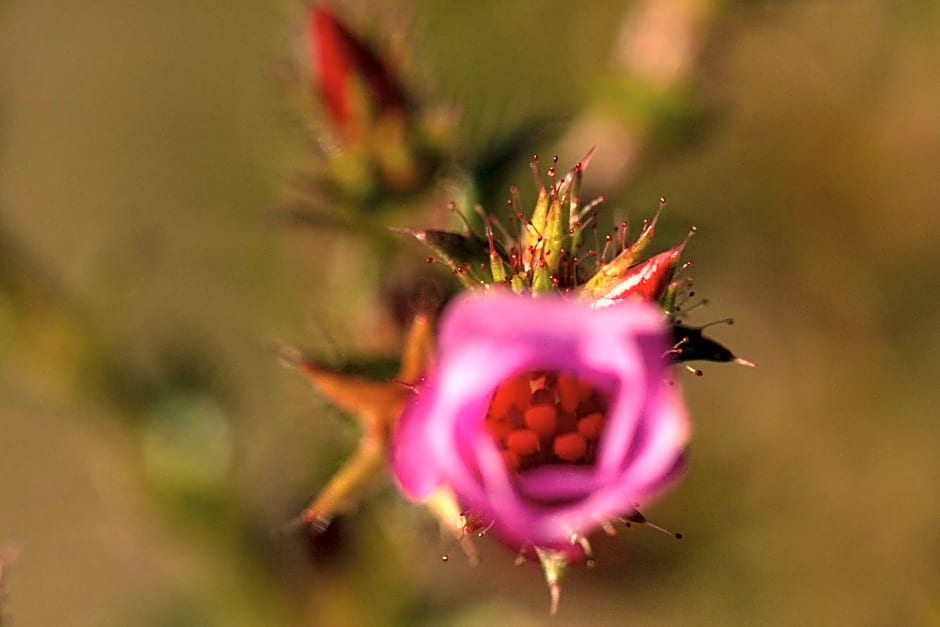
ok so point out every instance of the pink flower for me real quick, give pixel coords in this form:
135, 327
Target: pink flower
545, 417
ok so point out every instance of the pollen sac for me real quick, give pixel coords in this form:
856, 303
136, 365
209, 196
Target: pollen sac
542, 419
539, 418
570, 447
522, 442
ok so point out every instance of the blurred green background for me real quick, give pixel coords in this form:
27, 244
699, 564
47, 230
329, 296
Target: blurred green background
151, 447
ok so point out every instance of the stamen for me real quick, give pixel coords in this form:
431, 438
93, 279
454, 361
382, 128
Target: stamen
452, 205
546, 417
608, 240
534, 165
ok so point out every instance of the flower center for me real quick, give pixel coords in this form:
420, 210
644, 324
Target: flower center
541, 417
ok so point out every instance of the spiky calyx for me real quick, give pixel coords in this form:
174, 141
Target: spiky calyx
556, 248
547, 249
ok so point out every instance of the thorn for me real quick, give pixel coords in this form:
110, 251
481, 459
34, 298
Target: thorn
586, 159
554, 590
554, 564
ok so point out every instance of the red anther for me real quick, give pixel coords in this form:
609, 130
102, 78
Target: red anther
542, 419
570, 447
523, 442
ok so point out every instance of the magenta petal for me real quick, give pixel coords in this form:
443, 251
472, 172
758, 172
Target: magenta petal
409, 456
557, 483
441, 438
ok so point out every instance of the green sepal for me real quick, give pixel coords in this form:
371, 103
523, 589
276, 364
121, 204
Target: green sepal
535, 229
668, 301
557, 239
556, 229
497, 267
541, 281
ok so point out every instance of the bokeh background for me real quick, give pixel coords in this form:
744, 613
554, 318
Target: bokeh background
151, 446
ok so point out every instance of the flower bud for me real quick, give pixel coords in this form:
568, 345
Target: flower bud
647, 280
354, 83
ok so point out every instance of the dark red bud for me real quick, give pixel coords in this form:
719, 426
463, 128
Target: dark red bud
337, 56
